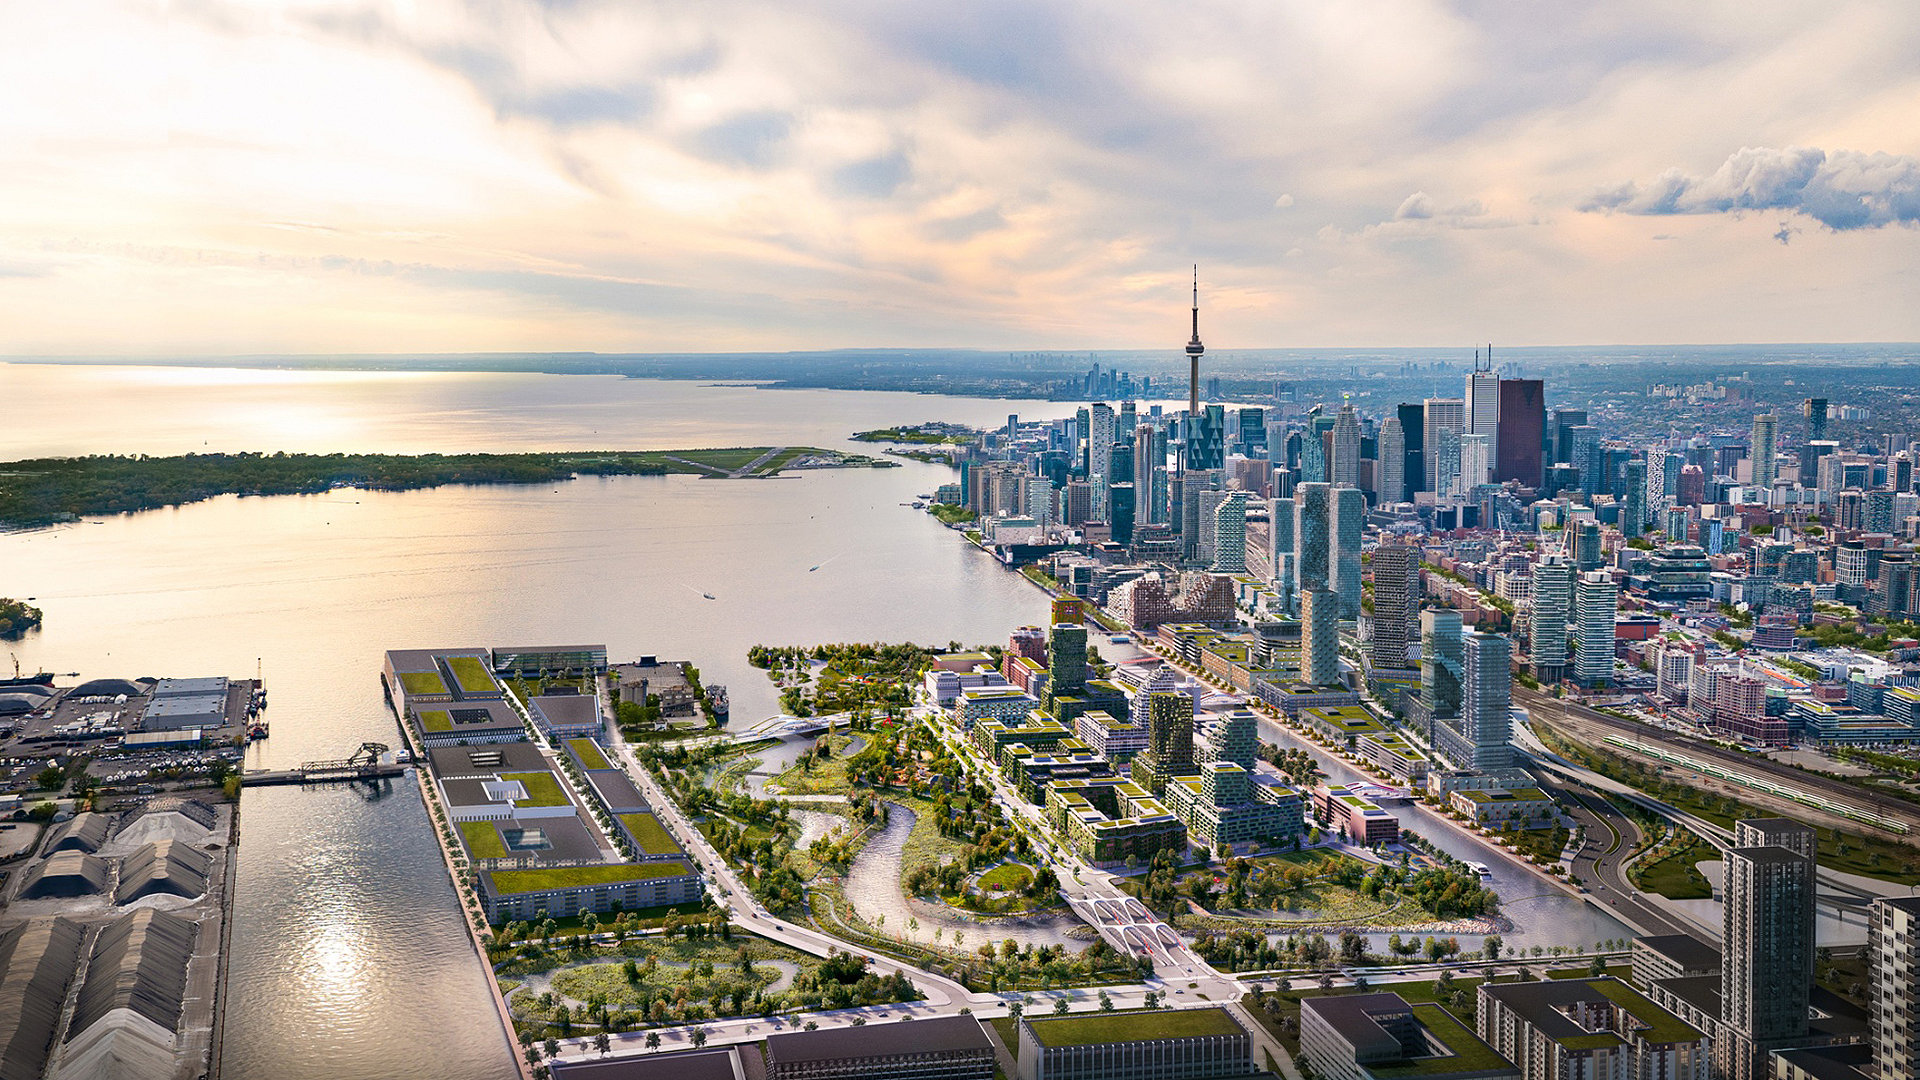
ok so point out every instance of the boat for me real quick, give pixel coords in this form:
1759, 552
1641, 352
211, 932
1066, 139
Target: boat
256, 730
709, 596
811, 569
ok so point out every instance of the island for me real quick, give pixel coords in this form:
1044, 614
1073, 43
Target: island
17, 617
42, 491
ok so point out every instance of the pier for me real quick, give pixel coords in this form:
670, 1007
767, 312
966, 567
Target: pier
362, 764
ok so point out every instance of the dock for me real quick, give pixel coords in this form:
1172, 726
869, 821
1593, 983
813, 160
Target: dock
363, 764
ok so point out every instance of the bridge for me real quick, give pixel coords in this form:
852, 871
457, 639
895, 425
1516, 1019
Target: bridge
362, 764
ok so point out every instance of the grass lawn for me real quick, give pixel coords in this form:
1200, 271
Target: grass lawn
827, 777
1009, 1031
483, 840
1087, 1029
471, 674
436, 720
1007, 877
1675, 877
1542, 844
566, 877
543, 789
589, 753
1282, 1020
422, 682
652, 836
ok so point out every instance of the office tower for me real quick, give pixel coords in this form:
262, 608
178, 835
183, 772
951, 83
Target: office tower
1441, 663
1396, 587
1811, 455
1440, 415
1446, 463
1595, 600
1169, 740
1207, 448
1633, 513
1552, 603
1564, 421
1586, 545
1121, 512
1082, 429
1066, 661
1815, 410
1313, 459
1392, 479
1315, 564
1894, 1013
1413, 425
1765, 429
1482, 404
1319, 637
1585, 444
1766, 967
1350, 519
1476, 462
1486, 719
1521, 437
1280, 536
1345, 466
1078, 504
1253, 431
1230, 534
1128, 420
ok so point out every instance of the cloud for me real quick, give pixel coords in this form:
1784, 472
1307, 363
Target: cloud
752, 139
1418, 207
875, 177
1846, 189
1283, 202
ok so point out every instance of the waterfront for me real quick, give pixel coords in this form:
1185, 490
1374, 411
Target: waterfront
345, 910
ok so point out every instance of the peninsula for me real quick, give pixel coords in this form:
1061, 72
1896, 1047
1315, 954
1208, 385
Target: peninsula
42, 491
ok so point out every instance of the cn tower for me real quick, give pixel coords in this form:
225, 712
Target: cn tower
1194, 349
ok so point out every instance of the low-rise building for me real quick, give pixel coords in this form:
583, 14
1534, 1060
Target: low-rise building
1517, 808
1381, 1037
1354, 817
934, 1048
1588, 1027
562, 891
1161, 1044
567, 716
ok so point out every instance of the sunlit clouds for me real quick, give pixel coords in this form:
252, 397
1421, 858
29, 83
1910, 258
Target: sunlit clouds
208, 177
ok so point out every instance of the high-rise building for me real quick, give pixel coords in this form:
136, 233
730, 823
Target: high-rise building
1169, 739
1815, 410
1100, 439
1319, 637
1066, 661
1442, 662
1633, 513
1345, 466
1207, 446
1476, 462
1586, 545
1693, 486
1280, 532
1552, 603
1313, 459
1396, 586
1894, 1014
1767, 965
1350, 521
1392, 479
1441, 416
1192, 508
1315, 564
1587, 459
1413, 426
1486, 718
1230, 534
1596, 599
1482, 402
1766, 429
1077, 504
1564, 421
1521, 439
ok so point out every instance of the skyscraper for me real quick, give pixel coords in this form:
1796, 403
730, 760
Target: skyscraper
1345, 467
1766, 971
1815, 410
1100, 438
1564, 421
1595, 600
1169, 739
1585, 446
1586, 545
1482, 404
1552, 603
1319, 637
1894, 1012
1396, 573
1315, 563
1413, 423
1633, 513
1440, 415
1476, 462
1442, 662
1522, 432
1350, 520
1392, 481
1280, 532
1486, 719
1230, 534
1766, 428
1066, 661
1207, 445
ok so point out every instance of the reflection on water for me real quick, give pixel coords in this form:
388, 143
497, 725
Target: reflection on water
349, 958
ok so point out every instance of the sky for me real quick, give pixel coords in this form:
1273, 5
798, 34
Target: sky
199, 177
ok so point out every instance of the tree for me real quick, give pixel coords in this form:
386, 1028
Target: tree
699, 1037
1106, 1003
1490, 948
602, 1043
552, 1047
653, 1040
51, 778
1060, 1006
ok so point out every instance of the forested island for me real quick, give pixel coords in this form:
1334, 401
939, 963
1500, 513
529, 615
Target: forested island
42, 491
17, 617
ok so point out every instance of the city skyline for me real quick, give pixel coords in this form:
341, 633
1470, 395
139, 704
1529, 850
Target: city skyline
224, 179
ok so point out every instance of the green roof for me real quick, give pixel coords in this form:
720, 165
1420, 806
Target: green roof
589, 753
506, 882
542, 789
422, 682
471, 674
1662, 1026
483, 840
1466, 1052
436, 720
1139, 1025
652, 837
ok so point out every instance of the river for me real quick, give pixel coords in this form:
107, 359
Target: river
348, 956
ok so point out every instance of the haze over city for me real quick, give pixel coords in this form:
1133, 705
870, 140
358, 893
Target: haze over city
221, 178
